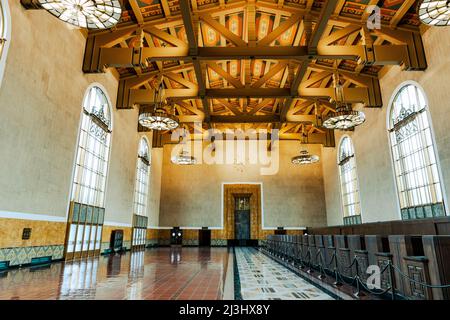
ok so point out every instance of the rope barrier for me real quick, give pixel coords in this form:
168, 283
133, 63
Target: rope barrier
290, 254
441, 286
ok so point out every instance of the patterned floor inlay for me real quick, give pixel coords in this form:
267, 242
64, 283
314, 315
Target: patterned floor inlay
261, 278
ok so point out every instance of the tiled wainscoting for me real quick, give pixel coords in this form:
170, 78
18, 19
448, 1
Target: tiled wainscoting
186, 242
105, 245
23, 255
152, 242
219, 242
46, 239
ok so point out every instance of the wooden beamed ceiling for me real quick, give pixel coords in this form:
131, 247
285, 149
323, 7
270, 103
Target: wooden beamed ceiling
255, 64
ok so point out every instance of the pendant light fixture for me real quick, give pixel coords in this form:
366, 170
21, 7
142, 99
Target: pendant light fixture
305, 157
344, 118
435, 12
183, 158
88, 14
155, 116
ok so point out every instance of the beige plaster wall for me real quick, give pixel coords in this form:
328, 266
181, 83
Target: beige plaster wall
378, 193
191, 196
40, 107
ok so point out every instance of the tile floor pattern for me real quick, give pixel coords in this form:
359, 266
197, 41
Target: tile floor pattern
163, 274
264, 279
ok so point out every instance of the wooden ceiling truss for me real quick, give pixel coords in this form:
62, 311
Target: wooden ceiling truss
254, 64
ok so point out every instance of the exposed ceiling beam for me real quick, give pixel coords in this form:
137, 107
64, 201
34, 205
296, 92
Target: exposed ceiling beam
367, 13
191, 28
272, 72
400, 13
290, 101
137, 12
230, 36
228, 77
327, 11
282, 28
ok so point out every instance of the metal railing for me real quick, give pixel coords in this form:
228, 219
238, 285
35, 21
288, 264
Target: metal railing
293, 253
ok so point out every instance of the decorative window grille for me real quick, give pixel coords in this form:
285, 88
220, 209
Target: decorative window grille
414, 156
349, 182
93, 150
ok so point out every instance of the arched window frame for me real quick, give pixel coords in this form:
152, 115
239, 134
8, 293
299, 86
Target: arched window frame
348, 178
102, 124
408, 210
5, 36
86, 213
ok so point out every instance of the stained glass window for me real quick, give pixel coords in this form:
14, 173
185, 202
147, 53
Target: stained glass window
349, 179
414, 155
142, 177
93, 150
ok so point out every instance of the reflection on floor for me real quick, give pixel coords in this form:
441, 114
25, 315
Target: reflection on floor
261, 278
164, 274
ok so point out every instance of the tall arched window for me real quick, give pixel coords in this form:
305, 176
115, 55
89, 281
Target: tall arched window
5, 35
349, 182
141, 194
93, 150
88, 190
414, 155
142, 173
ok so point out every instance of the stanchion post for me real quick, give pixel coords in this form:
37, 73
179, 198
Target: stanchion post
391, 278
357, 278
336, 283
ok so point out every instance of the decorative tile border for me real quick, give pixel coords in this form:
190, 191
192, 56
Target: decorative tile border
190, 242
105, 245
164, 242
23, 255
152, 242
219, 242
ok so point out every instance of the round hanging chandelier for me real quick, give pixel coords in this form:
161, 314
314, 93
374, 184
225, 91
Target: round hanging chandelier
159, 120
344, 118
435, 12
184, 159
305, 157
155, 116
89, 14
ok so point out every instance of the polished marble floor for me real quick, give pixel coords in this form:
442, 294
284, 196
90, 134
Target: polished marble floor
159, 274
261, 278
156, 274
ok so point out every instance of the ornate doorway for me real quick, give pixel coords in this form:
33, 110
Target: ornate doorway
242, 214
